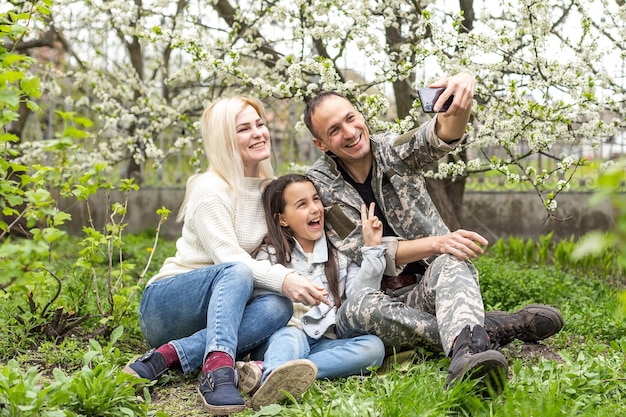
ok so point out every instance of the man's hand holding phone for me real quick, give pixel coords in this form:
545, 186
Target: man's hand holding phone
453, 123
428, 97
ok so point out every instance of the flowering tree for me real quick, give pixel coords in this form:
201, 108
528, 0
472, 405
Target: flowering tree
546, 69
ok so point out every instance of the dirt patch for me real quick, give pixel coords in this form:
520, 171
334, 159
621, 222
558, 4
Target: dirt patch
177, 396
531, 352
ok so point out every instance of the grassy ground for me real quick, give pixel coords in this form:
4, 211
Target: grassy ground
578, 372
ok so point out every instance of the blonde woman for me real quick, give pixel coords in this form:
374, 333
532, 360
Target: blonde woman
199, 311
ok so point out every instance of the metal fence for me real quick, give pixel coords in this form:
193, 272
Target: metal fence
582, 179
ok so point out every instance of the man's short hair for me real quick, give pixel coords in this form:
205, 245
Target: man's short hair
312, 104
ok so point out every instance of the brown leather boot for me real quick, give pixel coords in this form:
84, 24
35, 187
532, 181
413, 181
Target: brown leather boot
472, 358
532, 323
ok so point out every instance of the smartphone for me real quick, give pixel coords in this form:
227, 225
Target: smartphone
428, 98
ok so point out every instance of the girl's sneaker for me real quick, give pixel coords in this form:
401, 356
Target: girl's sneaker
294, 377
250, 374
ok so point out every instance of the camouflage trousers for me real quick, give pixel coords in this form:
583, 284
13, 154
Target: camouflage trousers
430, 313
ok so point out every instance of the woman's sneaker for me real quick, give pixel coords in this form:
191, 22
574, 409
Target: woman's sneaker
294, 377
150, 366
218, 392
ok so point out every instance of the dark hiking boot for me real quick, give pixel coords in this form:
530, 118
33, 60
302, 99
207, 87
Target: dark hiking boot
471, 358
218, 392
150, 366
532, 323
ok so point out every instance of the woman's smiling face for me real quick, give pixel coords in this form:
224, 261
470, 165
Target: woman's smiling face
253, 139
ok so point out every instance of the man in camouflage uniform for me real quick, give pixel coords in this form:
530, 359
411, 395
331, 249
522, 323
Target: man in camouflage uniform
430, 294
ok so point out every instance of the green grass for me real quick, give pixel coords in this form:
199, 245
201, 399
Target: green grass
578, 372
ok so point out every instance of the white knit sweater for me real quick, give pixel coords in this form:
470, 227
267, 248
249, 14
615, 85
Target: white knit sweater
221, 228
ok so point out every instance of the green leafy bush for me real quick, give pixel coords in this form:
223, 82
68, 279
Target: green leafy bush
22, 394
97, 389
100, 391
603, 263
46, 296
509, 285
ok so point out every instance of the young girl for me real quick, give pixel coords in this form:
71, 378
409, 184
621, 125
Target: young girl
296, 239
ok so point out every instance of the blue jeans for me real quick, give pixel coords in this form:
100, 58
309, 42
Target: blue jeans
334, 358
209, 309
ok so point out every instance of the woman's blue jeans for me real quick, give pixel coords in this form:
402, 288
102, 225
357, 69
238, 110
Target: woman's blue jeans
334, 358
209, 309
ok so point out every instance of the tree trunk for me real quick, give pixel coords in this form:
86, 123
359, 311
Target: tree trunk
134, 169
448, 198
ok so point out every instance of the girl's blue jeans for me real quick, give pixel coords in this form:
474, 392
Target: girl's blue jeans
334, 357
209, 309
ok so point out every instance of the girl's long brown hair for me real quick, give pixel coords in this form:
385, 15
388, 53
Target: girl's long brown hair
281, 237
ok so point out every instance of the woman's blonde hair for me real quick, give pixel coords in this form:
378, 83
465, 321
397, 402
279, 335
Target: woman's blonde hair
219, 135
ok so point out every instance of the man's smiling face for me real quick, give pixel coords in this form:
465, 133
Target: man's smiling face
340, 129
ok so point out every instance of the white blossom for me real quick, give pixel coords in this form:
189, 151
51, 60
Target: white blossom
543, 82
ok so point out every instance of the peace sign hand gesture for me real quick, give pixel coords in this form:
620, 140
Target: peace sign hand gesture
371, 227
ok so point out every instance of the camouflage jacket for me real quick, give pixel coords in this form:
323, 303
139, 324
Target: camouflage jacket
398, 185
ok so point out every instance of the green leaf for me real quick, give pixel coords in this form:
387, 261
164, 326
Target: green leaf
9, 97
591, 244
9, 137
31, 87
73, 132
61, 217
9, 77
116, 334
83, 121
32, 106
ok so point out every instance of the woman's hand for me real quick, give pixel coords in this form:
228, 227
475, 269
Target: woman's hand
371, 227
301, 290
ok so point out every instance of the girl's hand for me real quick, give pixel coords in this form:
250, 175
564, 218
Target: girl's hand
371, 227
